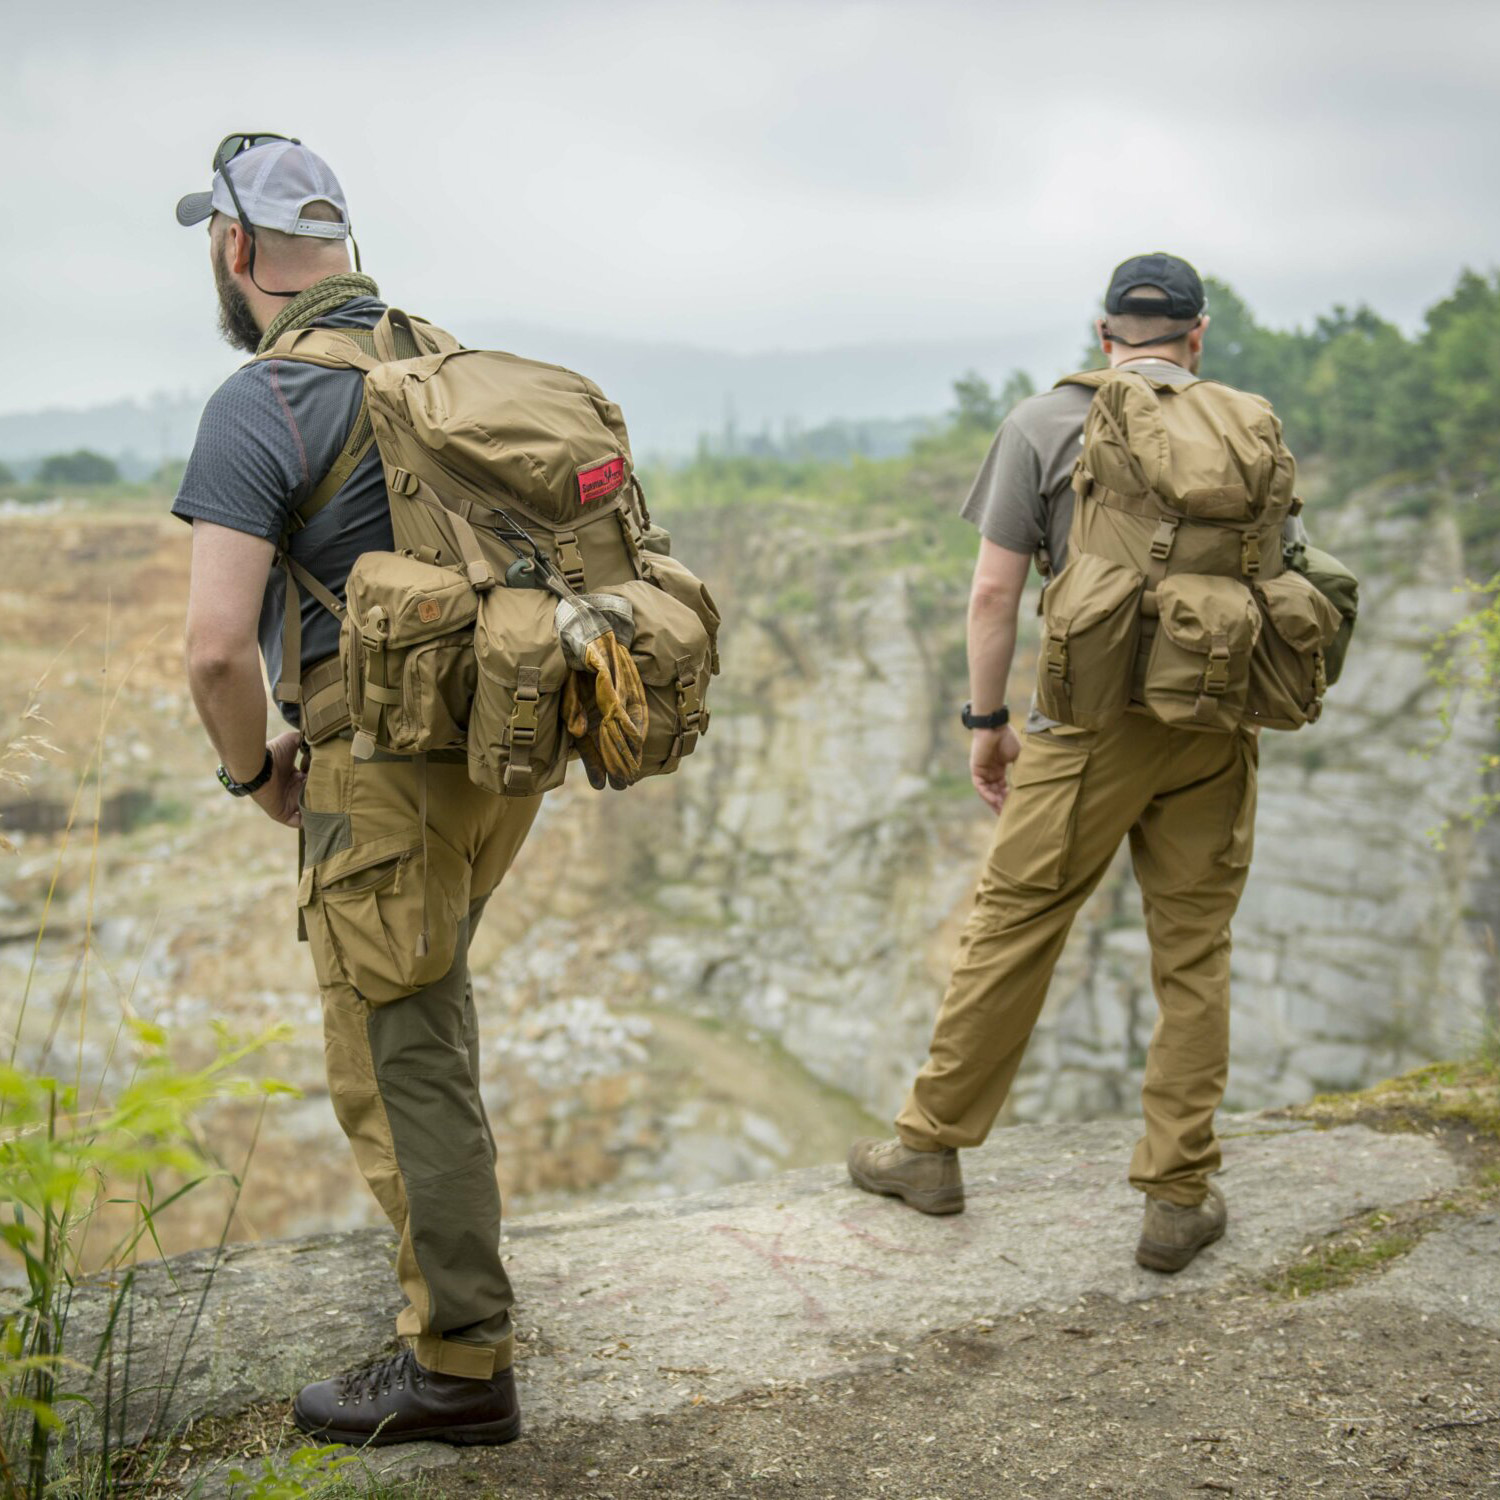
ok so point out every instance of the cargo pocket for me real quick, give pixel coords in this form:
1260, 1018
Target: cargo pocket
517, 744
1288, 669
1091, 623
365, 909
1198, 672
673, 651
1035, 835
407, 648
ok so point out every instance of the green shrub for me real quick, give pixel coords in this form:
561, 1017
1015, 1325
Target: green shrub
82, 467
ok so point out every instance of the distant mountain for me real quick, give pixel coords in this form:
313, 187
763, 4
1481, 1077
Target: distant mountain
139, 435
673, 394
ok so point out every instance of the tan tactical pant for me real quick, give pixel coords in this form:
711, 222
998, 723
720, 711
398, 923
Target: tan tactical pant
1187, 801
399, 1028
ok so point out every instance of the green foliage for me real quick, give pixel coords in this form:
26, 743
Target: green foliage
304, 1472
1373, 401
979, 407
83, 467
64, 1157
7, 474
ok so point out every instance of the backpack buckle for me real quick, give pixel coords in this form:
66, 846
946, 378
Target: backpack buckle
1057, 657
1161, 543
375, 630
1216, 679
1250, 554
689, 705
481, 576
523, 716
570, 560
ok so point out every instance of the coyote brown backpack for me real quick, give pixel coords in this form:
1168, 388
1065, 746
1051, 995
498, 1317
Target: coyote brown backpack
1175, 600
511, 487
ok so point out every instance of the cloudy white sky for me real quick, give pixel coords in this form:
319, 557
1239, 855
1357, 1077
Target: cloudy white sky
745, 176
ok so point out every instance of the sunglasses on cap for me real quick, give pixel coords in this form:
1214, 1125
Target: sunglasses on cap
229, 148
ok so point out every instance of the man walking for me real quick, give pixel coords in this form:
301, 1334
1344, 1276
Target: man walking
280, 462
1185, 798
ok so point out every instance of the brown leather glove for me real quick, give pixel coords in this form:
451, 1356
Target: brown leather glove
604, 708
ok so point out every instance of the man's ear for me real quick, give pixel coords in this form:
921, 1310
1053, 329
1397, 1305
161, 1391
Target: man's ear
1195, 335
238, 249
1102, 332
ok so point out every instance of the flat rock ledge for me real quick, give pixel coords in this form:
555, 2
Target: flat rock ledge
642, 1308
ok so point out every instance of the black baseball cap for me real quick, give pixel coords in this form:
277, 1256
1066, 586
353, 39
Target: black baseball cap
1168, 273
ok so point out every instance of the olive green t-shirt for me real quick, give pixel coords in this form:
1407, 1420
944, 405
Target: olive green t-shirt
1023, 493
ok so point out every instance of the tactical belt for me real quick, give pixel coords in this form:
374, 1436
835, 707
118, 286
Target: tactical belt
325, 708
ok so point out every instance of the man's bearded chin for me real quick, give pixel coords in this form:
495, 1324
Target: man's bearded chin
236, 323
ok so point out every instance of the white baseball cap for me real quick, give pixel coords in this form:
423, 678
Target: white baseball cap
274, 180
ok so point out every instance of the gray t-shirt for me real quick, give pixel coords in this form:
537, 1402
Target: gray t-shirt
266, 438
1023, 493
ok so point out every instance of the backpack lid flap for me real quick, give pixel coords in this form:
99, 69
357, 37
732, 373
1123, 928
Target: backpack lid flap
1199, 610
537, 432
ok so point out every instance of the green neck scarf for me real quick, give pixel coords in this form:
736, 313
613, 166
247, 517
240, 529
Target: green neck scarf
320, 298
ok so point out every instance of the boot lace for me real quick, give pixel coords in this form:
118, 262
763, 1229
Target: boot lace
379, 1378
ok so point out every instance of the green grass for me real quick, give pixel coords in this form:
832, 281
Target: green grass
1340, 1262
1466, 1092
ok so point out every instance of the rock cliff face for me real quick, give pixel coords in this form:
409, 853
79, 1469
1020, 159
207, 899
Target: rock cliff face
807, 875
732, 970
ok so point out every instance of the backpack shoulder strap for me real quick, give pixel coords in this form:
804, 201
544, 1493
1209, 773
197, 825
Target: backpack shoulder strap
361, 434
397, 336
1093, 379
333, 348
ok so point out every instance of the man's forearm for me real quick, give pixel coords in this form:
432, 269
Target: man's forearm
992, 647
231, 698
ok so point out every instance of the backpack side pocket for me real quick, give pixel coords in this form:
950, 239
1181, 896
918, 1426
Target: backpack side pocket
674, 653
1091, 625
407, 653
687, 588
1288, 668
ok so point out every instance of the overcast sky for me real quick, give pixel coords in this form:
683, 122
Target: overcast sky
745, 176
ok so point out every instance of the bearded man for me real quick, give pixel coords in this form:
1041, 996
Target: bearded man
284, 465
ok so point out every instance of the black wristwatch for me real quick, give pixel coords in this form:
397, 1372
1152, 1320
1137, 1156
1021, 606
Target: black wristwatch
244, 788
997, 720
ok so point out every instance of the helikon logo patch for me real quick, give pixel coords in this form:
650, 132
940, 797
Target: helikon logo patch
603, 479
428, 610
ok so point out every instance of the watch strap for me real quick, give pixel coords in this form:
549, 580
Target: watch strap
244, 788
996, 720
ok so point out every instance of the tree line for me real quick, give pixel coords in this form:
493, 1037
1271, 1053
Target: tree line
1372, 401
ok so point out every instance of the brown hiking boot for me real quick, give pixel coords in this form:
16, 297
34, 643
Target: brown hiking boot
927, 1180
1171, 1235
395, 1400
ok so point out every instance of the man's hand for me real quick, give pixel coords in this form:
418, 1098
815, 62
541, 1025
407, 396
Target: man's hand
278, 797
992, 751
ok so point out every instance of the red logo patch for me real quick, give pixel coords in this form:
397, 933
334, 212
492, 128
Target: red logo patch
604, 479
